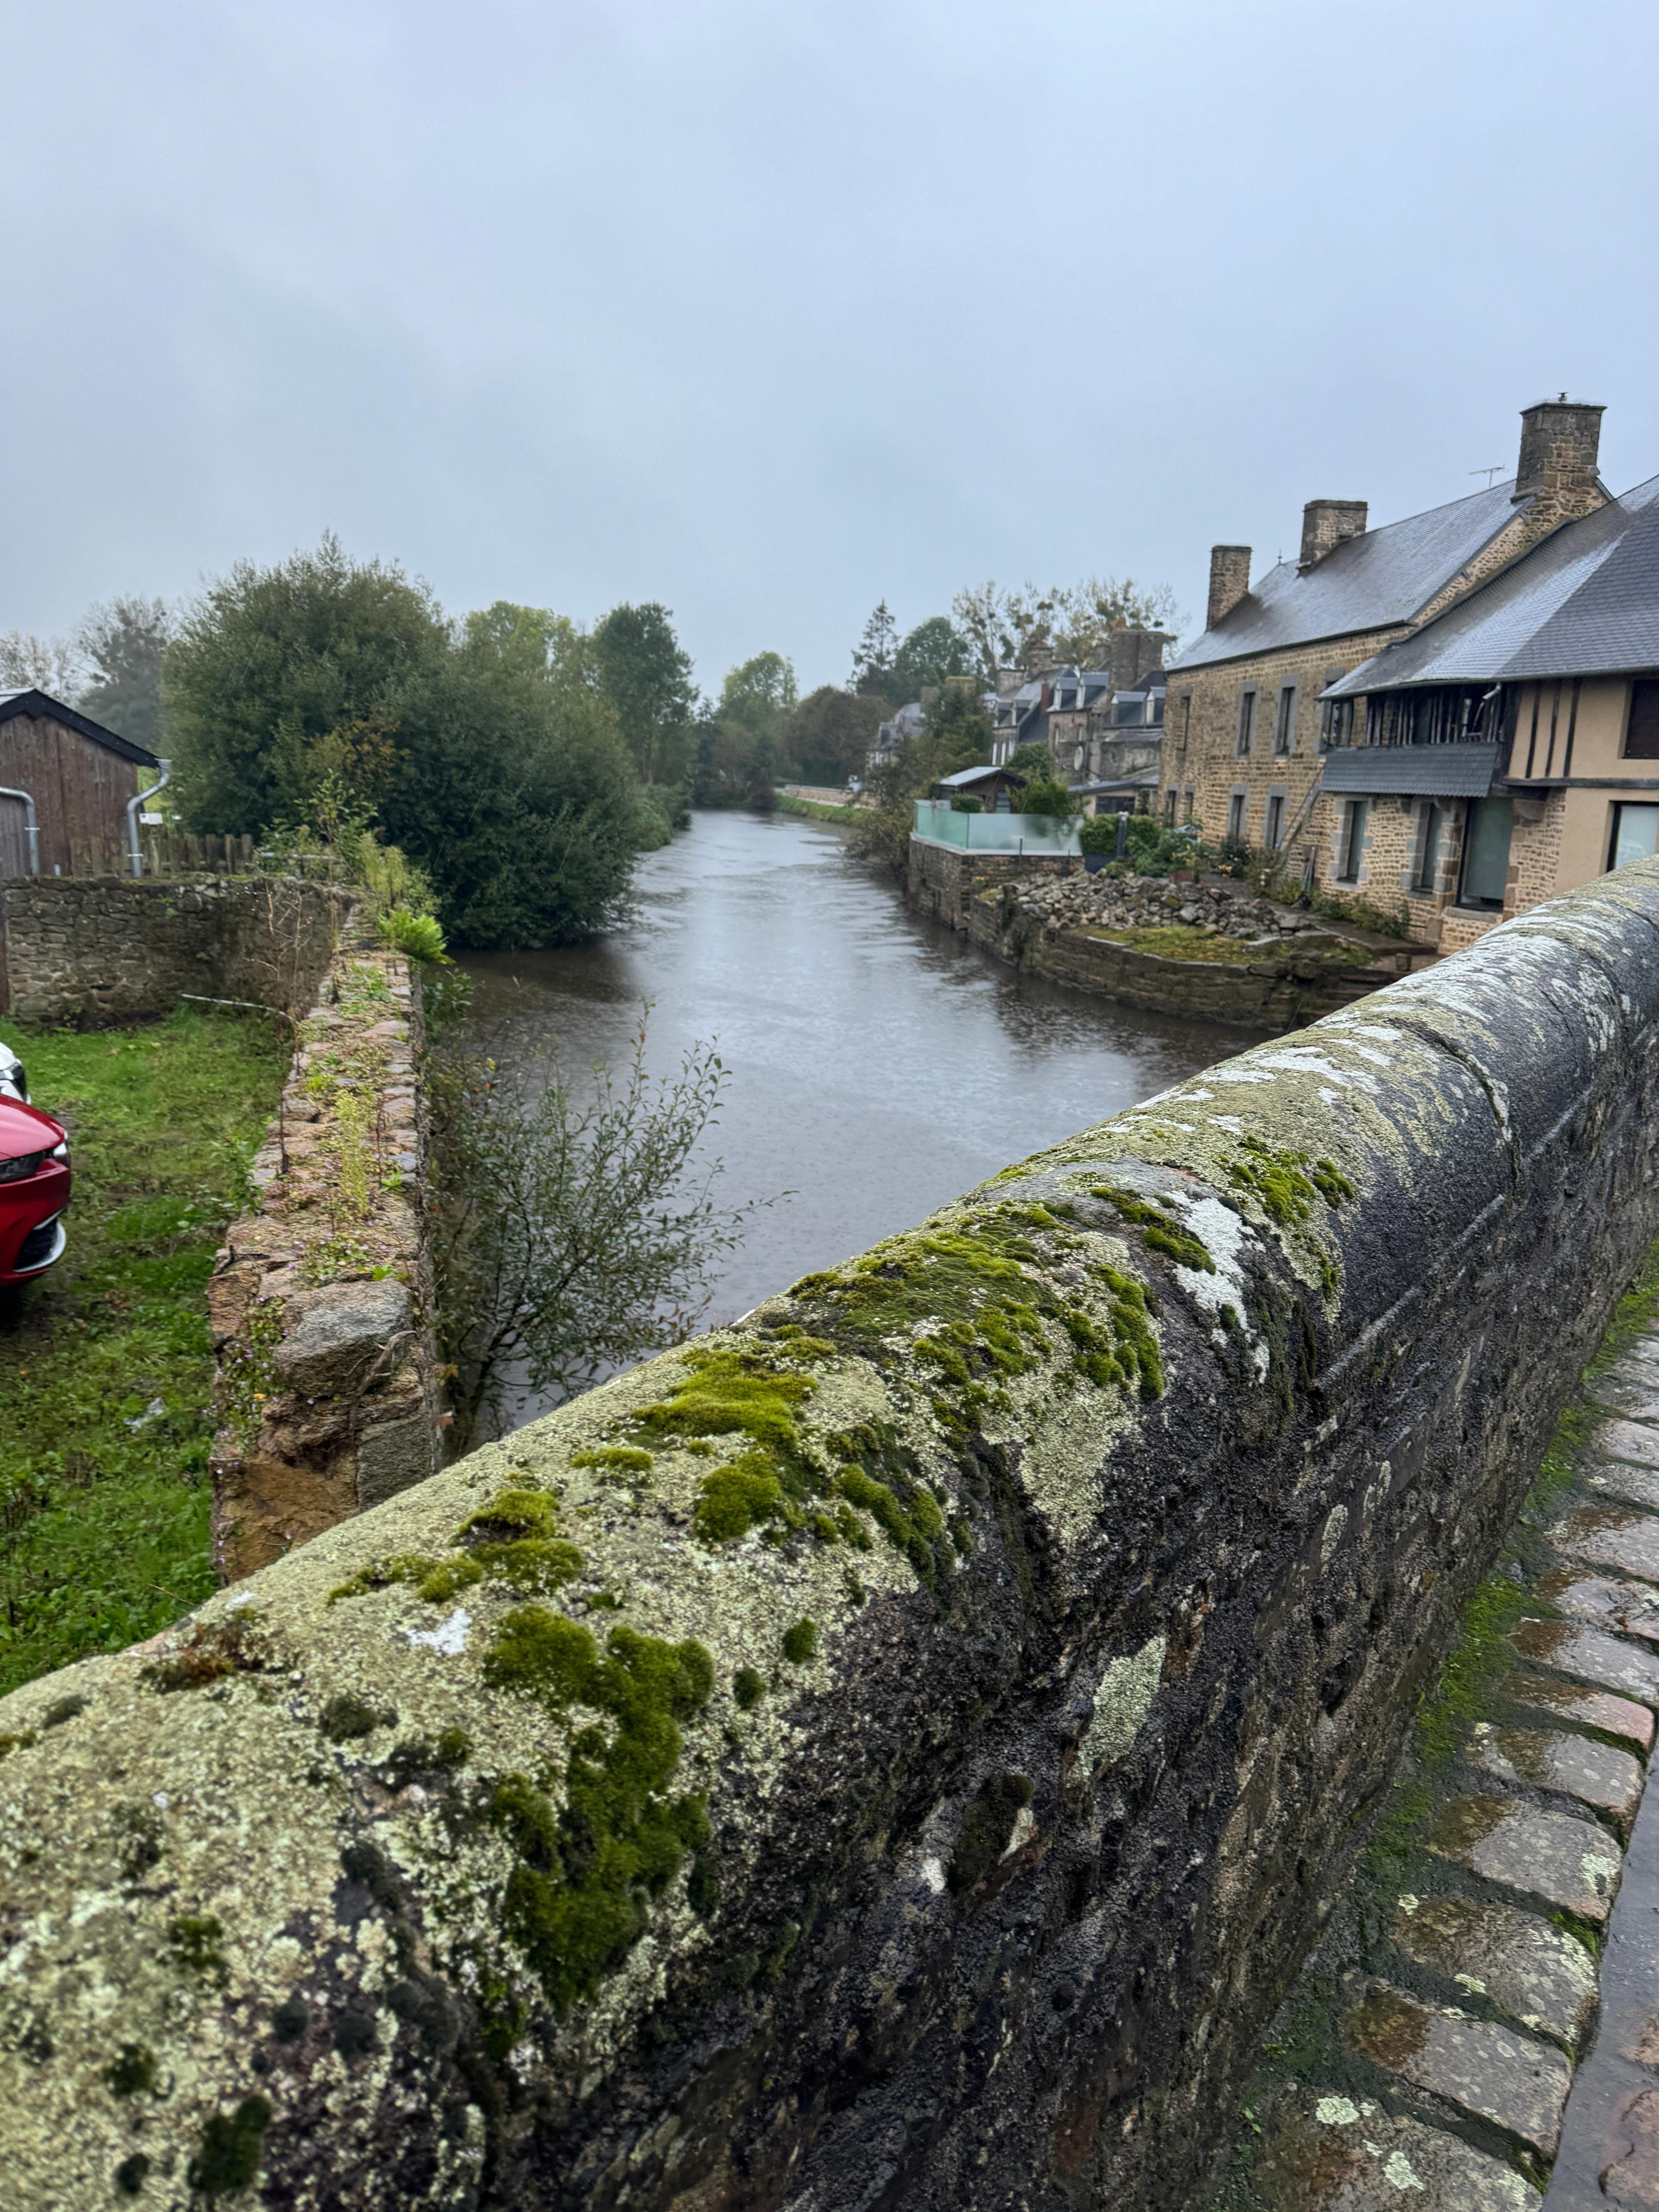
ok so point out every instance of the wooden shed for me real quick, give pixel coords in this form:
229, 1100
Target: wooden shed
79, 776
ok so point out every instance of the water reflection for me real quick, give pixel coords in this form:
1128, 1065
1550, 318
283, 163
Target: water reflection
880, 1065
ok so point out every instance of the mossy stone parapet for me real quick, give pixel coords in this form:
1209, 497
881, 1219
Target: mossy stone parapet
932, 1811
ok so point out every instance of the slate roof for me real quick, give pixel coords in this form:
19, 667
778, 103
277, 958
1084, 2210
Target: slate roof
1585, 602
1383, 576
1421, 771
964, 777
40, 705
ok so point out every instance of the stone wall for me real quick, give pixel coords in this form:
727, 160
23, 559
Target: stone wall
322, 1298
96, 950
1278, 992
942, 880
894, 1752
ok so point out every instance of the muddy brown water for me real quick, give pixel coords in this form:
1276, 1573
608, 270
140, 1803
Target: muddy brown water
880, 1065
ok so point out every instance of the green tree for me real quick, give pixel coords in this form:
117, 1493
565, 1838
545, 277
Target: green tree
647, 678
759, 696
515, 792
270, 662
872, 656
831, 733
934, 650
123, 642
569, 1238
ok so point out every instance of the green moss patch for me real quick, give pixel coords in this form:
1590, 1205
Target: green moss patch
510, 1540
1160, 1227
584, 1875
231, 2143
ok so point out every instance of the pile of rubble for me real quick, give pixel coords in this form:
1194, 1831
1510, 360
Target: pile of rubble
1103, 902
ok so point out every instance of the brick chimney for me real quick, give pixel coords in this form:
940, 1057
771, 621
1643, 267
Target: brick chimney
1559, 443
1326, 524
1230, 581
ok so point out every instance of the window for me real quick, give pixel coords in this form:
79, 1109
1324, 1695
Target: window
1187, 796
1353, 843
1155, 707
1335, 723
1186, 718
1635, 831
1246, 723
1275, 820
1427, 873
1170, 798
1642, 730
1235, 819
1486, 852
1285, 722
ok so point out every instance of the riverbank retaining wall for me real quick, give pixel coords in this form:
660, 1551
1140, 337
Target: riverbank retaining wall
1277, 994
894, 1751
321, 1299
943, 879
91, 951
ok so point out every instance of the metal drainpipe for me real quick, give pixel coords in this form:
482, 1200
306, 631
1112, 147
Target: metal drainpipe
133, 805
30, 824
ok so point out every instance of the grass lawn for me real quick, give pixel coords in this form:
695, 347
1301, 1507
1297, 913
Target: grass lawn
104, 1505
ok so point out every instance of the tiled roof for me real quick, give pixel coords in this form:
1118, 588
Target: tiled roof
1585, 602
1381, 577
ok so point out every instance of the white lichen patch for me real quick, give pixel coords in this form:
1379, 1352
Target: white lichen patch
1122, 1701
1335, 2112
1397, 2168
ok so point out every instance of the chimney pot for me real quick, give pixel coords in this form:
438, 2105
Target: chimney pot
1230, 581
1326, 524
1559, 441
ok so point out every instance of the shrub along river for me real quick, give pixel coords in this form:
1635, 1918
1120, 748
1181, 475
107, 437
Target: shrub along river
880, 1065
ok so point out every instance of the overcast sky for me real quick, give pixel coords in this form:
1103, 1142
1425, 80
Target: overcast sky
769, 310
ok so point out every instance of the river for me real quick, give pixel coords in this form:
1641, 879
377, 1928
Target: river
880, 1065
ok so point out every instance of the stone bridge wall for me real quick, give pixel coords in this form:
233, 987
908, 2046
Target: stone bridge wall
92, 951
322, 1296
892, 1753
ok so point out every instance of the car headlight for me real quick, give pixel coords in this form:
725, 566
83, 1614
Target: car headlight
60, 1152
15, 1171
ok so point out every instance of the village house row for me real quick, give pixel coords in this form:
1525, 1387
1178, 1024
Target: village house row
1458, 712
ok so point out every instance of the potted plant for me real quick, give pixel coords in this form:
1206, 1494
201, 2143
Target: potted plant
1097, 835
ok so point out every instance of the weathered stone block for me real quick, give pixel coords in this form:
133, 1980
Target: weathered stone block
1595, 1773
1592, 1656
1474, 2065
1567, 1862
1586, 1708
1336, 2153
1533, 1971
334, 1338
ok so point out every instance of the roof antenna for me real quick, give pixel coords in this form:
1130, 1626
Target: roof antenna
1497, 470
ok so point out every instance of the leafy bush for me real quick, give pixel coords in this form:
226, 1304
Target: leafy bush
964, 802
1049, 798
1098, 834
420, 935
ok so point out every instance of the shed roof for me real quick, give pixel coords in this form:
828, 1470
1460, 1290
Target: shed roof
40, 706
1368, 582
965, 778
1584, 601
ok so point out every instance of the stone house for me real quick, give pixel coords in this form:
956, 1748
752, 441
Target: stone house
1510, 747
1251, 710
1102, 726
64, 784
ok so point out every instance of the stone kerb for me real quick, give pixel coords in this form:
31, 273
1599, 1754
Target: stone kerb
322, 1296
895, 1750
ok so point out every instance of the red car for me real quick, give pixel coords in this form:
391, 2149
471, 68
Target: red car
34, 1189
